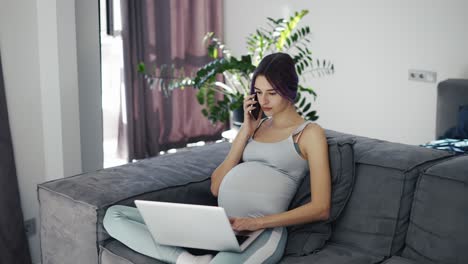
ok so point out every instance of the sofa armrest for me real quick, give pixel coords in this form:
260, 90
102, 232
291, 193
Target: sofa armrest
72, 209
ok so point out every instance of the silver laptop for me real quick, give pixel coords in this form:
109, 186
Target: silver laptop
193, 226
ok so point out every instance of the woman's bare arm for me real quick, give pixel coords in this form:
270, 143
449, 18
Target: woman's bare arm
232, 159
316, 150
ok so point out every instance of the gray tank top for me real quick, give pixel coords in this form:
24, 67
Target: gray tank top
267, 179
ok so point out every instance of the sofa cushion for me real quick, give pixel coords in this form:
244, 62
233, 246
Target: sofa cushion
306, 238
377, 214
114, 252
334, 254
438, 231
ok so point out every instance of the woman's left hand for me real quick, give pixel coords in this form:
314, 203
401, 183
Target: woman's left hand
241, 224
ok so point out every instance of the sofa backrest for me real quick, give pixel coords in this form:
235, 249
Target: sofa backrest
438, 226
376, 216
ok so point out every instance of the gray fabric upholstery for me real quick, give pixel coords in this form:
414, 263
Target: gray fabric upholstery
68, 229
438, 231
334, 254
342, 166
112, 251
72, 208
115, 252
451, 94
399, 260
376, 217
306, 238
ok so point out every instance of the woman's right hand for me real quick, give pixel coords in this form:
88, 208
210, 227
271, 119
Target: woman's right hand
250, 123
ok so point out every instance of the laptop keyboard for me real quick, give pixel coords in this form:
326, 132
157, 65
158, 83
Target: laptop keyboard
241, 239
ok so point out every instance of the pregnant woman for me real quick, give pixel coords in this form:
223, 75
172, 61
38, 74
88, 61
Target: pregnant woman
260, 175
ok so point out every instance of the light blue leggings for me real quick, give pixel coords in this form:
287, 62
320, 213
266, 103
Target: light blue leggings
125, 224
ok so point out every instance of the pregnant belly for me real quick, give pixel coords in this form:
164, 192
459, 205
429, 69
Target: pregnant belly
255, 189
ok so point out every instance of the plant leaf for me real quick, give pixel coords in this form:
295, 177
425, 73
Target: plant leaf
302, 102
141, 67
290, 25
307, 107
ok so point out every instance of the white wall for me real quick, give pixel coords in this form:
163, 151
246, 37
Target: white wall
20, 59
89, 80
38, 43
373, 44
68, 69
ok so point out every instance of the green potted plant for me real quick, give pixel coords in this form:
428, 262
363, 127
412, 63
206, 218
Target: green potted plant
281, 35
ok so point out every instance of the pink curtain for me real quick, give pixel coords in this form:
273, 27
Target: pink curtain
168, 32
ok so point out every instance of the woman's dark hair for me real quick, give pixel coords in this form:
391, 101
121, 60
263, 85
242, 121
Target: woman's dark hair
280, 72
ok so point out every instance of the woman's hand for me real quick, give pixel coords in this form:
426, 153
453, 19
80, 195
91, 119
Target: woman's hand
242, 224
250, 123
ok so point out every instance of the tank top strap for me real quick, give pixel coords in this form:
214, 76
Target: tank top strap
299, 129
258, 126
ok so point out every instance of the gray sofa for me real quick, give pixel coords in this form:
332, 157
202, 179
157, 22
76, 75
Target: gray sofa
408, 205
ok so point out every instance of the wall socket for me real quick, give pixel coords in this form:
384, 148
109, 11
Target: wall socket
30, 227
422, 76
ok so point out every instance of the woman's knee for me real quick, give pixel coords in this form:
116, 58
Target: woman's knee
112, 216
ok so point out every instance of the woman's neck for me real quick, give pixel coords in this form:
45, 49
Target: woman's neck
287, 118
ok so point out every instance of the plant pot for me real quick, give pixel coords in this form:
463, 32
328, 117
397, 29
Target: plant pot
238, 117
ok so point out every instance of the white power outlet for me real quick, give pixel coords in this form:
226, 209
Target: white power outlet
422, 76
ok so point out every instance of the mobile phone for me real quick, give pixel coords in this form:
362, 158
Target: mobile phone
255, 112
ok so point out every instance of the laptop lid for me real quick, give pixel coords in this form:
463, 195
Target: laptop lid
193, 226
